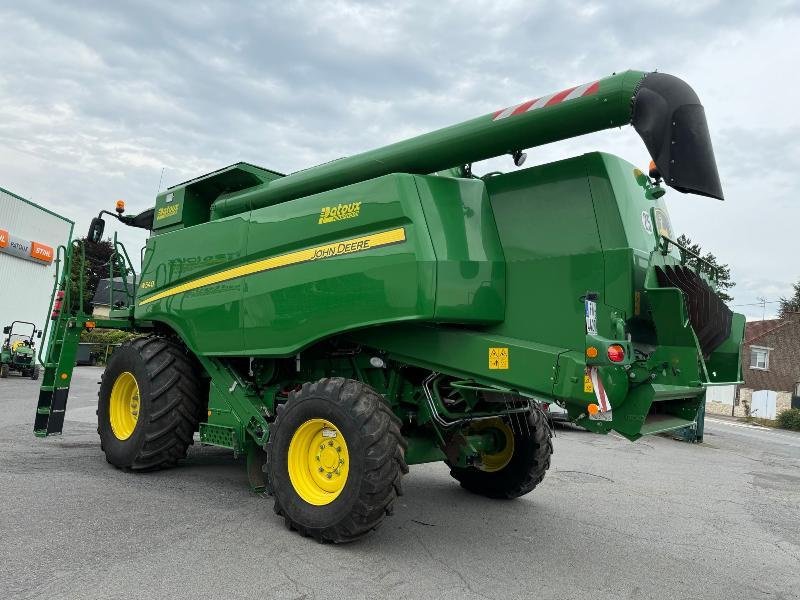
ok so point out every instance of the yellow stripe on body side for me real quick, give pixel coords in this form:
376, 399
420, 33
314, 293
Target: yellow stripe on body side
359, 244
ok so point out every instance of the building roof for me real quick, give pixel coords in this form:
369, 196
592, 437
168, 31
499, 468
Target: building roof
39, 206
756, 329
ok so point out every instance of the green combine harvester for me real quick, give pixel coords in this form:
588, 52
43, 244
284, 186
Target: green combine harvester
391, 308
18, 353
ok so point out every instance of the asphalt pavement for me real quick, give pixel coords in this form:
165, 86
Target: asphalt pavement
613, 519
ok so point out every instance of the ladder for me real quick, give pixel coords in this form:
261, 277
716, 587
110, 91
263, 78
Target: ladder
62, 347
58, 366
68, 320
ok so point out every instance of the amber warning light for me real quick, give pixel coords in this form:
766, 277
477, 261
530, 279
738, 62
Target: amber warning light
653, 171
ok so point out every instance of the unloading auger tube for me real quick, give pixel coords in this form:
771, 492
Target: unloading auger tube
663, 109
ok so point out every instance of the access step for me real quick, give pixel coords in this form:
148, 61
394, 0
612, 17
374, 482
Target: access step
50, 411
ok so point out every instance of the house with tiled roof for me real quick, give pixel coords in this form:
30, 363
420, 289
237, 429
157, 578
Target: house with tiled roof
770, 369
771, 360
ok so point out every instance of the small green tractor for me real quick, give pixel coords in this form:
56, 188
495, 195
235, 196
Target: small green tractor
340, 323
18, 353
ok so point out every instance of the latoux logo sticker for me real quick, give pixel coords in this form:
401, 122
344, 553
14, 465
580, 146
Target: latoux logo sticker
329, 214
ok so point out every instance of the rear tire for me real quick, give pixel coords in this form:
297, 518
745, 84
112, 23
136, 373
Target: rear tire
149, 424
3, 371
366, 437
525, 470
35, 373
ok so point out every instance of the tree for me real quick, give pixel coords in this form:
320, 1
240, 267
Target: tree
789, 305
724, 282
96, 268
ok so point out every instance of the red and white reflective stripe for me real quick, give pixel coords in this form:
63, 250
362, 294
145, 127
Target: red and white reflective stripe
599, 390
587, 89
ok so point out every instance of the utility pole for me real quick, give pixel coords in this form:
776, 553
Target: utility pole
763, 302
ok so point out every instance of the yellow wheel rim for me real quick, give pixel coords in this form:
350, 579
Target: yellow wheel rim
123, 406
497, 460
318, 462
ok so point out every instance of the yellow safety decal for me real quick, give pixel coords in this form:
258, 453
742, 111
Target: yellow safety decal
498, 358
588, 388
359, 244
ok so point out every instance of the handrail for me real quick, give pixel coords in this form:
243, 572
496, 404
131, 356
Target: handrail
56, 285
81, 273
129, 268
711, 269
122, 260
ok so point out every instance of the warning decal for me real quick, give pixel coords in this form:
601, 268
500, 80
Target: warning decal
604, 414
498, 358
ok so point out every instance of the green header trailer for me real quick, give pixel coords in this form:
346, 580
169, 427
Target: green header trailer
391, 308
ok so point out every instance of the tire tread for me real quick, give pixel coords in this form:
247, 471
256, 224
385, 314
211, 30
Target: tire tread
384, 458
519, 477
177, 401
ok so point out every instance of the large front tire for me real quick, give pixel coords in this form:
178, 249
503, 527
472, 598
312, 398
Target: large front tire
335, 460
148, 404
524, 468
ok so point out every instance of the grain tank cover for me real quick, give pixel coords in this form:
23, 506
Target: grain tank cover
668, 116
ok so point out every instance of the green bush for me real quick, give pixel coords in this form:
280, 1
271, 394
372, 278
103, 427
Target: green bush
106, 336
104, 341
789, 419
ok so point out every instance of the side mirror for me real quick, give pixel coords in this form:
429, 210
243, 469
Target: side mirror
6, 330
96, 230
39, 334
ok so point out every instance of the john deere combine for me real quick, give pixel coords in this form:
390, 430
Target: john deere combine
392, 308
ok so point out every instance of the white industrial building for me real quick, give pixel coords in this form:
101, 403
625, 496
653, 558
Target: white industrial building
29, 239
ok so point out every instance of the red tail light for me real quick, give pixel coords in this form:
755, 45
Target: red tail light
57, 305
616, 353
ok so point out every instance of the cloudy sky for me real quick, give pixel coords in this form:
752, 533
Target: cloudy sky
97, 98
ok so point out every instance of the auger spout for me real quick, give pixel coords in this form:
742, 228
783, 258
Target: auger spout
663, 109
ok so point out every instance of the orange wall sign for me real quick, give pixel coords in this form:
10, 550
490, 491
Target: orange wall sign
27, 249
42, 252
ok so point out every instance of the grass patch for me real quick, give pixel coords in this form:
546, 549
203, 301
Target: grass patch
761, 421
